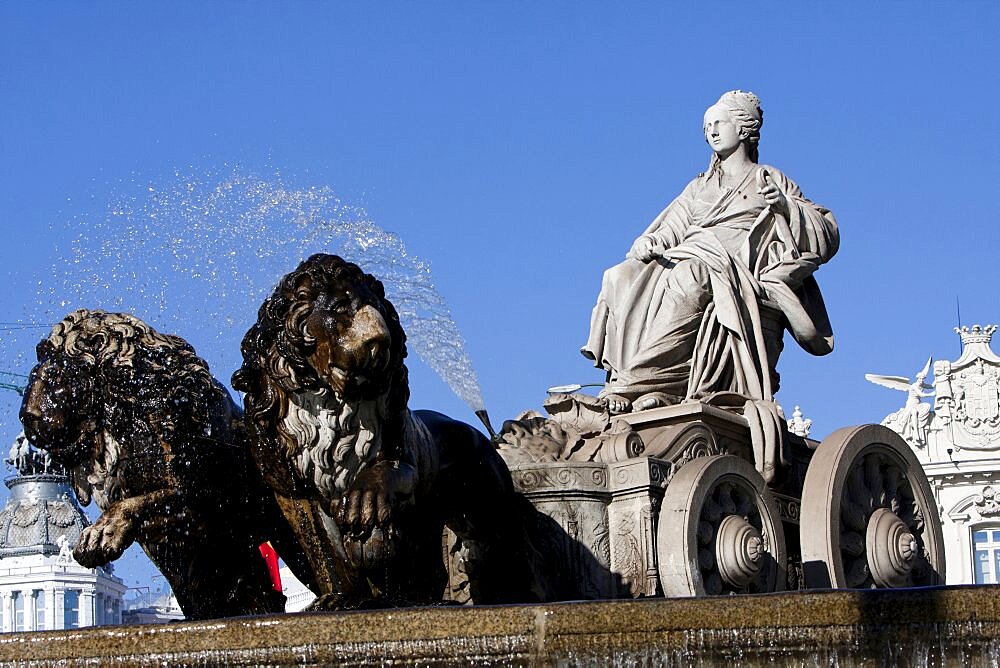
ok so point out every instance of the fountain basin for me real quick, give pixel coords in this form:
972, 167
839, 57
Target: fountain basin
933, 626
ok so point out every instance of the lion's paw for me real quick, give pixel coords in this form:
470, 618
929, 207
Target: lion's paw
374, 497
104, 541
361, 510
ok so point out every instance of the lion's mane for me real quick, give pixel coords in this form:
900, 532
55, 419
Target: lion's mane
146, 431
327, 438
151, 390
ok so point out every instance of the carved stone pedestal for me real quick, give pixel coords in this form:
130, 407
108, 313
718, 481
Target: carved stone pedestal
597, 490
596, 523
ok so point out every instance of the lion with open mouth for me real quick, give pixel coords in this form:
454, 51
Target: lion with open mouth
368, 485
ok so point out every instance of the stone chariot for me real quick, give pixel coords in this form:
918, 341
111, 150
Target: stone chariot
670, 503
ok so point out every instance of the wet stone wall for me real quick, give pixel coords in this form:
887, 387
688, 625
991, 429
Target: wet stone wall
941, 626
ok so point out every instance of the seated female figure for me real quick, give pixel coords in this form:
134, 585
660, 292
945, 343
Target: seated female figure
680, 317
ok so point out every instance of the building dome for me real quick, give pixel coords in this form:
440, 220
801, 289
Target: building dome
42, 587
41, 515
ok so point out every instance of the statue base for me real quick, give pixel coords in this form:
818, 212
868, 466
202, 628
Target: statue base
934, 626
596, 520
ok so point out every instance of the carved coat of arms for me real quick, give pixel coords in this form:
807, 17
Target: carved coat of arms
974, 401
966, 410
978, 398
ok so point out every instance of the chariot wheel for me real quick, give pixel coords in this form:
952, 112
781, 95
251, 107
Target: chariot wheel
869, 519
719, 531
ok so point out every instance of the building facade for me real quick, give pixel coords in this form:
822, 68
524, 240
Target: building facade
153, 607
951, 419
41, 585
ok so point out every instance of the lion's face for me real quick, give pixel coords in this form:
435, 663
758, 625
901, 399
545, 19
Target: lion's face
323, 370
345, 337
93, 370
60, 411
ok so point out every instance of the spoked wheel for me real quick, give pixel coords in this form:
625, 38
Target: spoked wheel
719, 531
869, 519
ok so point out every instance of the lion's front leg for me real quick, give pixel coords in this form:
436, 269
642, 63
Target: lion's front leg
119, 526
369, 518
105, 540
380, 534
376, 496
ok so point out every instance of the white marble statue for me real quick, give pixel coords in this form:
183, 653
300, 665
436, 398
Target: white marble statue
798, 424
65, 552
912, 419
680, 318
21, 455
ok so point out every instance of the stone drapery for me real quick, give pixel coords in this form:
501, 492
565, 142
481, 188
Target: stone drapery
688, 322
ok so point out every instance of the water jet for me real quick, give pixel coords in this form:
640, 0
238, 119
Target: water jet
484, 417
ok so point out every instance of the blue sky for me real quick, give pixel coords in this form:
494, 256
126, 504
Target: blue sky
519, 148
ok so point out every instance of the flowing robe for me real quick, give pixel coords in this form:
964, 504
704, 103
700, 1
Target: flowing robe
688, 323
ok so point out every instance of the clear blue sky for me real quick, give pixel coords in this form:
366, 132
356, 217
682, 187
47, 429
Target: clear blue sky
520, 147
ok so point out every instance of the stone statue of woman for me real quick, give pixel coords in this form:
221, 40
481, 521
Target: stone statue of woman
680, 318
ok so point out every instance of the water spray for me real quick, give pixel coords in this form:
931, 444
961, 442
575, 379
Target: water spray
172, 250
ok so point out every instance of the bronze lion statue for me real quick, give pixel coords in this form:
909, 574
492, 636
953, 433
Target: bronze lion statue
367, 484
143, 428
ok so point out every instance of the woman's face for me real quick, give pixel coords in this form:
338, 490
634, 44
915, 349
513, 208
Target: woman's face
721, 132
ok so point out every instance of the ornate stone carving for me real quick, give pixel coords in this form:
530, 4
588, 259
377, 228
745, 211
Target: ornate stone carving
692, 444
579, 415
580, 430
571, 537
967, 406
65, 551
798, 425
622, 442
599, 535
987, 503
966, 409
560, 477
532, 437
788, 507
977, 401
911, 420
628, 561
29, 460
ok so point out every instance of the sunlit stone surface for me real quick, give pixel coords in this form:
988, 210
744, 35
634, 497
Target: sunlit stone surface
954, 626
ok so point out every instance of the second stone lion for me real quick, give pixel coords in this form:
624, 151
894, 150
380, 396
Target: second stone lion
368, 485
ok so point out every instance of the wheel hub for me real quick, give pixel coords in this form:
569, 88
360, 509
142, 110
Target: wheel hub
739, 549
891, 549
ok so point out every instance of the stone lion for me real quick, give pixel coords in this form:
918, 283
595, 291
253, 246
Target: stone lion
143, 429
367, 484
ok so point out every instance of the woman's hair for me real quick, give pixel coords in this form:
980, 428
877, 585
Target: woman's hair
744, 108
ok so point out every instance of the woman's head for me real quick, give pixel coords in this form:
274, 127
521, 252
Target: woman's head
743, 108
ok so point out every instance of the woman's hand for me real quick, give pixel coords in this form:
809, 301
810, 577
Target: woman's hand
643, 249
773, 196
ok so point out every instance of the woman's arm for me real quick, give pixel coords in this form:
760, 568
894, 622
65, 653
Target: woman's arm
666, 230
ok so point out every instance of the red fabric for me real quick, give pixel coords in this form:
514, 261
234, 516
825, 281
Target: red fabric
271, 559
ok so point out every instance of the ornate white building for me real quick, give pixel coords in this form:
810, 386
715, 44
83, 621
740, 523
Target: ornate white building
41, 586
957, 440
